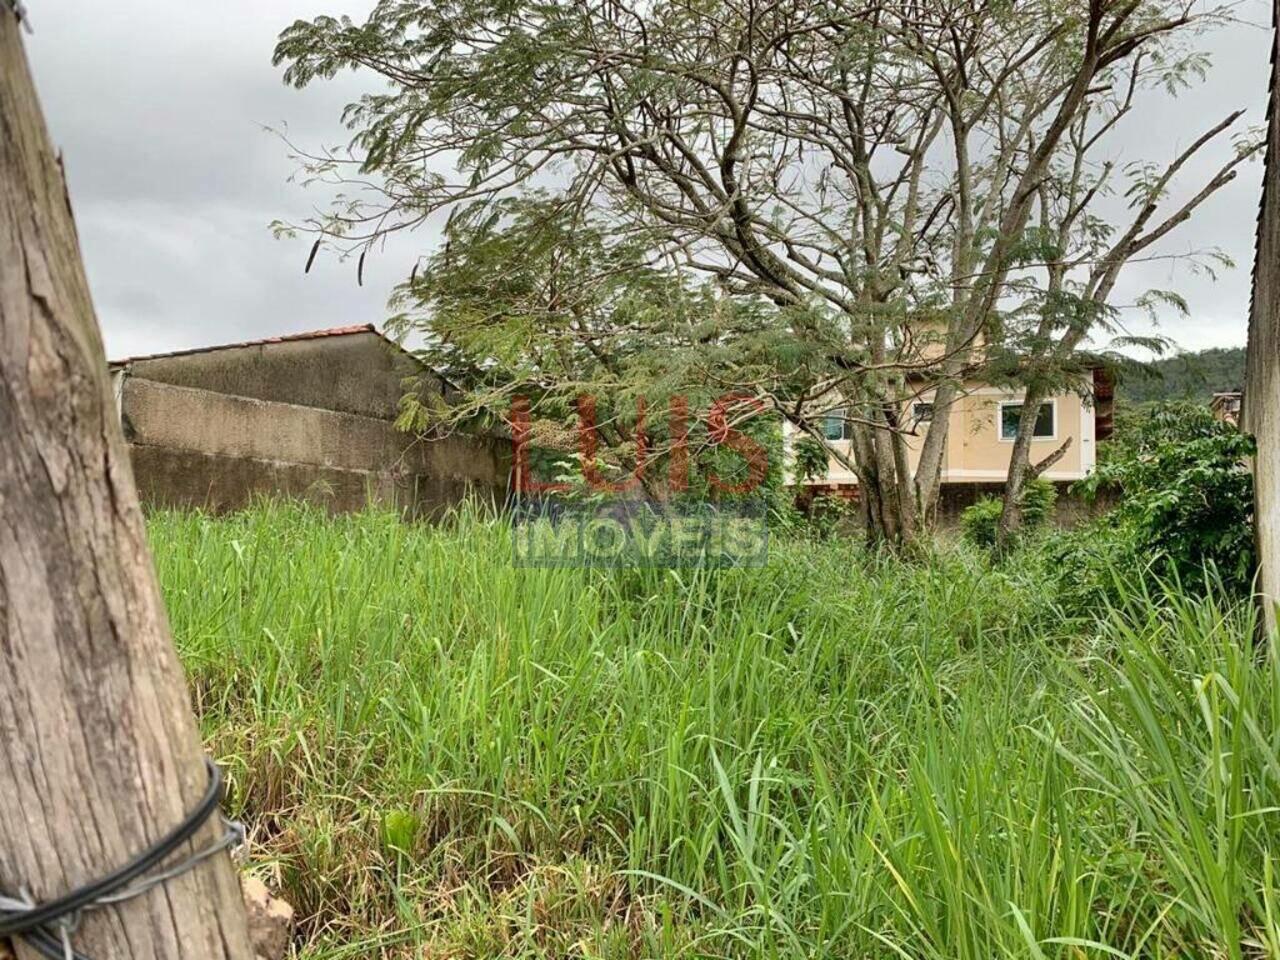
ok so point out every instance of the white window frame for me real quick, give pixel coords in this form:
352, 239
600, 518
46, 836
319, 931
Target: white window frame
843, 414
1000, 405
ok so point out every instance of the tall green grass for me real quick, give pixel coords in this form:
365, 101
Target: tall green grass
839, 755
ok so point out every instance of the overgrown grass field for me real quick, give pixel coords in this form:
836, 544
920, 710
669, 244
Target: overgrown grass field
440, 755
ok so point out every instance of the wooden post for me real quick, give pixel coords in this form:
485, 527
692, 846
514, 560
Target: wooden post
1261, 413
100, 750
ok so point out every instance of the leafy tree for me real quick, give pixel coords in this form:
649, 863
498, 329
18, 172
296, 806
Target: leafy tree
1082, 259
518, 306
1186, 494
832, 197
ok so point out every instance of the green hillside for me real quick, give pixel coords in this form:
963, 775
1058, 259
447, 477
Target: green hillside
1193, 376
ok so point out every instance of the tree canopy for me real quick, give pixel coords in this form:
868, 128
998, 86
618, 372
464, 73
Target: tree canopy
821, 205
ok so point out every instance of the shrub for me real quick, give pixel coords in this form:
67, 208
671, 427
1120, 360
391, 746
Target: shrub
1093, 567
1039, 498
979, 522
1186, 495
832, 516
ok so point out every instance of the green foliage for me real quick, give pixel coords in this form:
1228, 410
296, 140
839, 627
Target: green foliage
1186, 494
832, 516
1187, 376
1092, 567
812, 458
840, 755
526, 299
979, 523
1039, 497
529, 302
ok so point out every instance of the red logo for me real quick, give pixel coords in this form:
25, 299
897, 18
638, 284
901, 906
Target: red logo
725, 415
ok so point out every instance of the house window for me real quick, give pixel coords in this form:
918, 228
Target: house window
922, 412
1045, 428
835, 426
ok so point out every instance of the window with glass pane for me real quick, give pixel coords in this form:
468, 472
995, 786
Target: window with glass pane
1010, 413
834, 426
922, 412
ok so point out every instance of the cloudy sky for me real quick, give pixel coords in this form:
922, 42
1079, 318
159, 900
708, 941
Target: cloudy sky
160, 109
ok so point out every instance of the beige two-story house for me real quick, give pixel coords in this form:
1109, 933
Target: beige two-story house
984, 424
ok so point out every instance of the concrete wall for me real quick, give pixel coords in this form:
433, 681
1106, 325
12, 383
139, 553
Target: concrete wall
1261, 412
360, 373
309, 419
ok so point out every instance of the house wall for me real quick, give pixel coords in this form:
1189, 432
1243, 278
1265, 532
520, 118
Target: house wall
311, 419
975, 453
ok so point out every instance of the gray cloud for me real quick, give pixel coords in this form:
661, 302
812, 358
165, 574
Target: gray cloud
159, 109
1237, 79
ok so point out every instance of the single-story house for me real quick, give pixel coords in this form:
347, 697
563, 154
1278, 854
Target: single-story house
308, 415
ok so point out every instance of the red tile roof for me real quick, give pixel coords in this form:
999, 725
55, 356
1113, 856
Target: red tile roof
286, 338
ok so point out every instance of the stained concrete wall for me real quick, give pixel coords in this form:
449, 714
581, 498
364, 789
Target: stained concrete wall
1261, 412
360, 373
309, 419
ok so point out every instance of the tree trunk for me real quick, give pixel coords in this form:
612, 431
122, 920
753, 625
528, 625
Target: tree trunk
908, 502
928, 478
102, 755
1019, 466
981, 298
883, 526
1261, 413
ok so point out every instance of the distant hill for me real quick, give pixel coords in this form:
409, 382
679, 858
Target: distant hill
1185, 376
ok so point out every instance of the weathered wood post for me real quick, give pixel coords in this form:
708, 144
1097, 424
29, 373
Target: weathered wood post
101, 755
1261, 413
